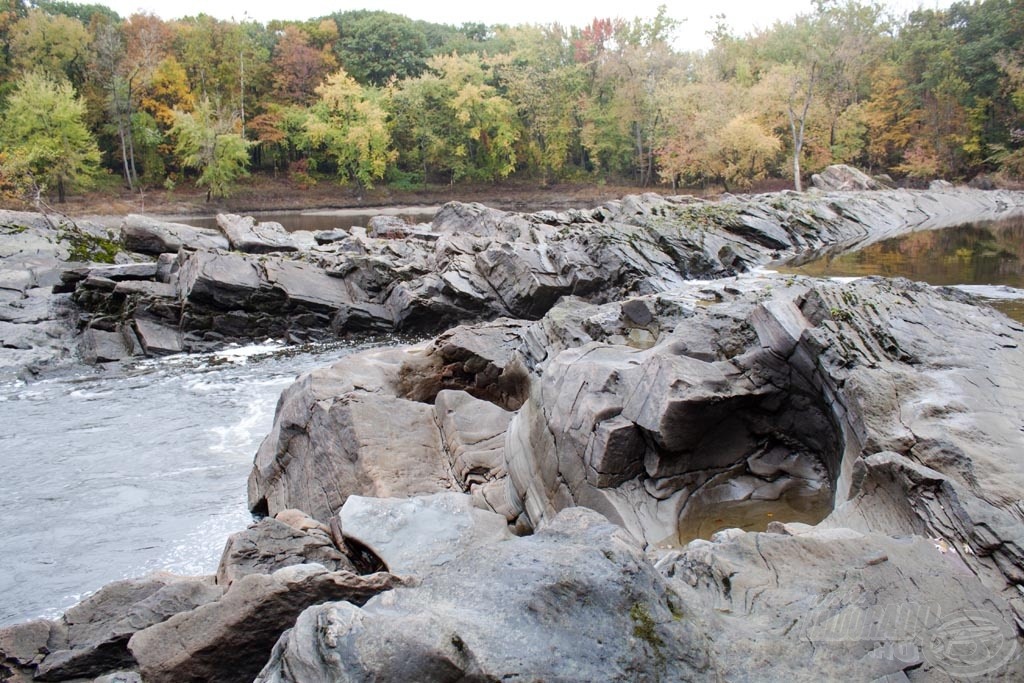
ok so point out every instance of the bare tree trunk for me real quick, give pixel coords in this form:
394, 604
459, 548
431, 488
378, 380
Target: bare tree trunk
798, 123
124, 154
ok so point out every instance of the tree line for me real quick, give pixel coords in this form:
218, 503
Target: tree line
369, 97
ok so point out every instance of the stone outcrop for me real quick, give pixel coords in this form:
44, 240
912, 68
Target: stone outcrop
621, 475
272, 544
856, 414
575, 602
474, 263
36, 327
843, 178
147, 235
229, 640
247, 235
92, 637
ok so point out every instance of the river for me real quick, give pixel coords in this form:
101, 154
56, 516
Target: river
113, 476
109, 477
985, 259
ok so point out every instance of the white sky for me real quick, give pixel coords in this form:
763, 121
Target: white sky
743, 15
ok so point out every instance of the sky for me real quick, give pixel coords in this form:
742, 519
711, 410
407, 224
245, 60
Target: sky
744, 16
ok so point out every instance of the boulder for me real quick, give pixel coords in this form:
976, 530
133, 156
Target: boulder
230, 639
246, 235
416, 535
337, 425
102, 346
91, 638
843, 178
148, 235
577, 601
156, 338
270, 544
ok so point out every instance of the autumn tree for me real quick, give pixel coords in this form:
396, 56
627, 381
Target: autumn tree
545, 85
44, 137
452, 123
298, 68
208, 140
348, 126
624, 115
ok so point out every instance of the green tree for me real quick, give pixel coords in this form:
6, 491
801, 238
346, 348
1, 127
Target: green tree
57, 44
454, 123
45, 138
349, 127
209, 141
374, 46
545, 85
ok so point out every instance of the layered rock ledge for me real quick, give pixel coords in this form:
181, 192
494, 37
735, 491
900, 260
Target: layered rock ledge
852, 451
251, 281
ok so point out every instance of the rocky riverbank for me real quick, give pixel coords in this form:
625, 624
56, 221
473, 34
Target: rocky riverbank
619, 474
177, 288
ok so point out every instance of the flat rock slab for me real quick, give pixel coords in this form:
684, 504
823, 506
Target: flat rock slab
153, 236
416, 535
245, 234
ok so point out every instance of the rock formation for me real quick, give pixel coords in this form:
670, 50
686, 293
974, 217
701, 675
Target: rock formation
832, 439
613, 473
475, 263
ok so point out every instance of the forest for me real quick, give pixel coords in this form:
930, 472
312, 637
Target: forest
90, 99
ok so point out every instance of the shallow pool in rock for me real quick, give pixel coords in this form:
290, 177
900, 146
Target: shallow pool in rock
113, 476
985, 259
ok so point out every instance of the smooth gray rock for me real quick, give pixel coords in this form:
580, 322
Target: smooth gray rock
230, 639
246, 235
813, 603
100, 346
335, 425
156, 338
91, 638
473, 432
148, 235
843, 178
416, 535
577, 601
269, 545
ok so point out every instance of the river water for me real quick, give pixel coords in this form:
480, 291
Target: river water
109, 477
985, 259
325, 219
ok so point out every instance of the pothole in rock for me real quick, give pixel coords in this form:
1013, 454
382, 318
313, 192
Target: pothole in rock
779, 483
753, 462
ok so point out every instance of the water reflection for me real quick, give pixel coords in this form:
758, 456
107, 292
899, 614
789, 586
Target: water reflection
990, 253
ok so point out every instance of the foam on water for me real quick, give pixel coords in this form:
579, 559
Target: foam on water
113, 476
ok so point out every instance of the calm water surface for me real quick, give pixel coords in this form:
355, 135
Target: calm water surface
987, 258
321, 220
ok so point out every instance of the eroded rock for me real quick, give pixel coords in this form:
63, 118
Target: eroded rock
576, 601
230, 639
